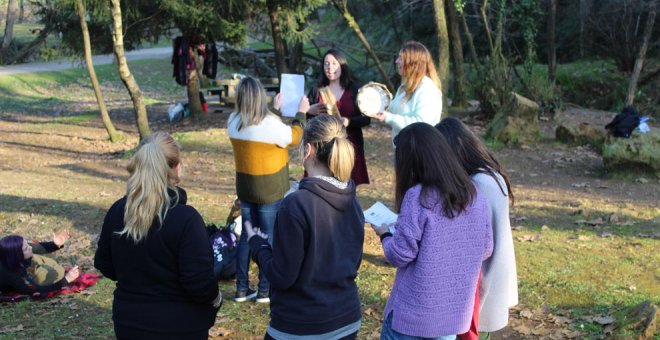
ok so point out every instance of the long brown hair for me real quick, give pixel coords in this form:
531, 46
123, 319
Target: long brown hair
424, 157
417, 62
472, 152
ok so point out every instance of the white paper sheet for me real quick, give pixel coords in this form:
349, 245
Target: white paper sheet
292, 88
378, 215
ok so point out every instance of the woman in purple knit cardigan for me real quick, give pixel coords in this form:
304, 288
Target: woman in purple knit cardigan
442, 236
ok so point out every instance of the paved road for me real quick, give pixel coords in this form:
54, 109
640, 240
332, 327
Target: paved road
147, 53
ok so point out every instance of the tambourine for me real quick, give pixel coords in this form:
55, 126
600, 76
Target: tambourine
373, 98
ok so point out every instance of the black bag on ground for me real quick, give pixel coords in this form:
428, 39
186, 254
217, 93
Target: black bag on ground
624, 123
223, 243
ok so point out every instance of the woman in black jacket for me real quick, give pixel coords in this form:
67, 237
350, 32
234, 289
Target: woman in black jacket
317, 243
156, 248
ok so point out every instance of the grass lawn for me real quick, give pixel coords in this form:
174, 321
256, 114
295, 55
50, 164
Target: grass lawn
586, 244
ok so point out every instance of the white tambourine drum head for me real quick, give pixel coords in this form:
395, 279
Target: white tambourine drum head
373, 98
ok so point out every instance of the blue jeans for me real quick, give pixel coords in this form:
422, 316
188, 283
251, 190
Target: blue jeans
387, 333
261, 216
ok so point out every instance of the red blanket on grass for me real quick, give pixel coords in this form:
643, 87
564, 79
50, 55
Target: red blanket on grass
81, 283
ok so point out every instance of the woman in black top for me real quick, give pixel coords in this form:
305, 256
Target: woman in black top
156, 248
317, 243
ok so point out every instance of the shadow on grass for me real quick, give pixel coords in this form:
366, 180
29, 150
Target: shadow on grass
54, 150
39, 134
81, 169
82, 216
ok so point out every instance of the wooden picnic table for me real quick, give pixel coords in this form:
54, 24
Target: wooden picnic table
226, 89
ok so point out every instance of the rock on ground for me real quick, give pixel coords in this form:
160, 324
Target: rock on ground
637, 153
582, 126
519, 124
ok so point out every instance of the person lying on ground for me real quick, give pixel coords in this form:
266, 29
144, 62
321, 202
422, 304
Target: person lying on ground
24, 269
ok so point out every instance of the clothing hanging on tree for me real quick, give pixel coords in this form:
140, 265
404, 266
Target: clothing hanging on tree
210, 68
181, 60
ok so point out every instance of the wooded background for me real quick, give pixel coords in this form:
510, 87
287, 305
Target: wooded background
484, 49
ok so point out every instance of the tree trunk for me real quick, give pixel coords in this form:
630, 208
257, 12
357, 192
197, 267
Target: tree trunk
296, 52
295, 57
484, 18
552, 51
9, 25
442, 37
125, 73
470, 40
278, 41
639, 63
105, 117
193, 86
585, 37
21, 12
340, 5
460, 98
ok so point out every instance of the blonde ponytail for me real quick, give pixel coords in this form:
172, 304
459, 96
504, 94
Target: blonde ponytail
333, 149
152, 173
342, 158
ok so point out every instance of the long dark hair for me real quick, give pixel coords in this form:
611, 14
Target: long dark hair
424, 157
11, 252
346, 79
472, 152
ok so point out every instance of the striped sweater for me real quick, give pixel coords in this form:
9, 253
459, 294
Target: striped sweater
262, 158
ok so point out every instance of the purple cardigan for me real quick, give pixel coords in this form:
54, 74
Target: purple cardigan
438, 261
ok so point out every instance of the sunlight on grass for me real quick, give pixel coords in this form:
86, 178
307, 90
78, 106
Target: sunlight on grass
571, 253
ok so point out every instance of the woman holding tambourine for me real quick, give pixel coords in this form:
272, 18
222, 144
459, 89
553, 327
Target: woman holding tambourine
419, 98
336, 94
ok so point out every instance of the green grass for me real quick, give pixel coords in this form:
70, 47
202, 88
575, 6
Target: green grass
70, 92
63, 174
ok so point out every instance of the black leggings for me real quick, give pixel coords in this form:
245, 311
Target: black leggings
351, 336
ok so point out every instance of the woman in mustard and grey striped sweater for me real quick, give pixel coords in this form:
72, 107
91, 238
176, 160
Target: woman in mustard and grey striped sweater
260, 141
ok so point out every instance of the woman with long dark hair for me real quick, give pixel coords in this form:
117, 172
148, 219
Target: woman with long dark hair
336, 94
316, 250
441, 237
499, 283
419, 98
156, 247
25, 270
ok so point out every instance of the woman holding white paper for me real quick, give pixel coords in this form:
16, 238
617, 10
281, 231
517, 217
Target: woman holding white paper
336, 94
260, 141
443, 234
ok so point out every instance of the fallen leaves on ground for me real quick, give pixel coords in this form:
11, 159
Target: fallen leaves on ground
529, 238
219, 332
